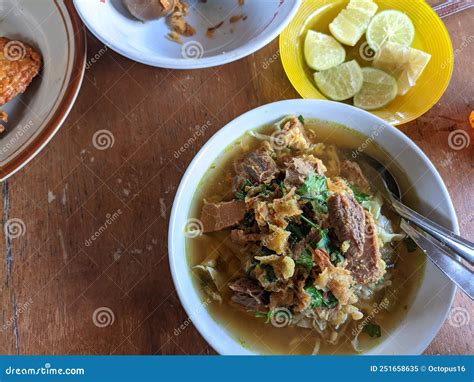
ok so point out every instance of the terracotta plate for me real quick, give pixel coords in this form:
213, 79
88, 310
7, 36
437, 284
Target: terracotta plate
54, 29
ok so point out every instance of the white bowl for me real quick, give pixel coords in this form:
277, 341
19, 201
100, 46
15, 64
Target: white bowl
145, 42
434, 296
54, 29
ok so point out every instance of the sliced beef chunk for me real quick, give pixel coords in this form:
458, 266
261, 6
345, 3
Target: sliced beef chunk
353, 173
368, 267
257, 166
347, 218
249, 294
297, 169
218, 216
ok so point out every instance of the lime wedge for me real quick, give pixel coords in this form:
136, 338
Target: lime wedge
378, 89
390, 26
366, 6
404, 63
322, 52
341, 82
351, 23
349, 26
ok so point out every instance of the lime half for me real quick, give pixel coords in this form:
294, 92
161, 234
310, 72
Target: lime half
404, 63
322, 52
378, 90
390, 26
341, 82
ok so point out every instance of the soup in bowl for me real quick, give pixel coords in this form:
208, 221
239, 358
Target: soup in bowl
286, 247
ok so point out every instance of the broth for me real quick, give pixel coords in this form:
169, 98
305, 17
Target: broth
253, 332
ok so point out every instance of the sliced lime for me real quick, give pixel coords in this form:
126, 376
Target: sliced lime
341, 82
366, 6
322, 52
390, 26
349, 26
404, 63
378, 89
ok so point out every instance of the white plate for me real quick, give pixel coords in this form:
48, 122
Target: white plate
54, 29
434, 297
145, 42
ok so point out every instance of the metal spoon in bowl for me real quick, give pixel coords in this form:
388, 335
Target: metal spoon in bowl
432, 238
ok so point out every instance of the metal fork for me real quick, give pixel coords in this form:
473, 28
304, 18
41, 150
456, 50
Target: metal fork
452, 7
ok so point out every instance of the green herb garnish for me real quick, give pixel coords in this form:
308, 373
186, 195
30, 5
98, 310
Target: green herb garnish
323, 242
243, 193
305, 260
298, 231
358, 195
269, 273
316, 296
301, 119
330, 301
336, 257
315, 189
372, 330
306, 220
282, 188
268, 315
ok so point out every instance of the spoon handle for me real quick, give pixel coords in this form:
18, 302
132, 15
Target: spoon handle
456, 271
457, 244
451, 7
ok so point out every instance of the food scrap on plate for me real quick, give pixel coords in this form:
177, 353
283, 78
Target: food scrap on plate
175, 12
19, 64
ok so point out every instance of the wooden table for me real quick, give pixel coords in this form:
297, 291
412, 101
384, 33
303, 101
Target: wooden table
55, 276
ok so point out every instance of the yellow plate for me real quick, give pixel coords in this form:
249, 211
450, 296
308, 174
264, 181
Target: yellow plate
431, 36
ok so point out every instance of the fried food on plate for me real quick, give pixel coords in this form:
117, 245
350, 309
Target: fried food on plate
19, 64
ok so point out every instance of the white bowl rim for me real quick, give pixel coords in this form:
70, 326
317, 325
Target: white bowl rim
205, 62
206, 334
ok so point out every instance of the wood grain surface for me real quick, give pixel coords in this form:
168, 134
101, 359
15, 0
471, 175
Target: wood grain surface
65, 265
